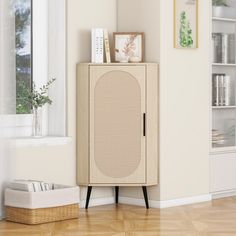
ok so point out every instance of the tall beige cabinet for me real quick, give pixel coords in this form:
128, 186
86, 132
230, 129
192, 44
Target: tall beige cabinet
117, 125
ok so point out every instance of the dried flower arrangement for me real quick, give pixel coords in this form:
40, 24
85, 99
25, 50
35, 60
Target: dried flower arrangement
130, 46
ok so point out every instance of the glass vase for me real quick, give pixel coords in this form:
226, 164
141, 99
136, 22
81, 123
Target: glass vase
37, 122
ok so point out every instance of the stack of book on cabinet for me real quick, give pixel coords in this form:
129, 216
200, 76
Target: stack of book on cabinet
221, 92
100, 42
217, 137
31, 185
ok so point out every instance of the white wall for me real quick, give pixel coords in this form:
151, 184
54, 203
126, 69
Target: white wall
184, 96
184, 109
4, 170
142, 16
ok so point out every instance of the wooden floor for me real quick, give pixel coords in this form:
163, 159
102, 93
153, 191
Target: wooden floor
206, 219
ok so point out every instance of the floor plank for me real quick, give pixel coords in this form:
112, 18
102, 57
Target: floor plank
215, 218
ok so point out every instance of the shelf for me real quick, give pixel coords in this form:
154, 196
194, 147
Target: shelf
41, 141
218, 150
223, 107
223, 19
222, 64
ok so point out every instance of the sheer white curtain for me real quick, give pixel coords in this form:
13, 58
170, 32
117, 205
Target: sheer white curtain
7, 85
7, 58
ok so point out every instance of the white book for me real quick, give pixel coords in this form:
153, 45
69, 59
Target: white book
221, 90
22, 185
107, 46
47, 187
42, 186
215, 90
37, 186
226, 85
97, 45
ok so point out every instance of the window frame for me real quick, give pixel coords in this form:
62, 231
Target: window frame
31, 53
22, 123
57, 124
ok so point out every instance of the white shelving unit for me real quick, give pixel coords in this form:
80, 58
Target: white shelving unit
224, 117
226, 65
223, 19
223, 153
223, 107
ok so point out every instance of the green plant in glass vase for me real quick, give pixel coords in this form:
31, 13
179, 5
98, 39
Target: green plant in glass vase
36, 99
39, 98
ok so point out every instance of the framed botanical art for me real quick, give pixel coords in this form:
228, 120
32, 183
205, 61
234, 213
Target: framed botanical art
186, 24
128, 47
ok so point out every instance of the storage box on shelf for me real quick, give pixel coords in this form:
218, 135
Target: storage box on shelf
224, 11
62, 203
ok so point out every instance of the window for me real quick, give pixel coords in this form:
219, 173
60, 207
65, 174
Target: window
23, 61
23, 51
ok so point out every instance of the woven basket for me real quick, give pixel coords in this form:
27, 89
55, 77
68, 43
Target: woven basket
42, 215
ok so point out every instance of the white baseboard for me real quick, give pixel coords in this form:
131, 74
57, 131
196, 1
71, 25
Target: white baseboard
98, 202
186, 201
224, 194
168, 203
152, 203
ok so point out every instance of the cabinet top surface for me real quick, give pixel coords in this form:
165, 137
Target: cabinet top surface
119, 64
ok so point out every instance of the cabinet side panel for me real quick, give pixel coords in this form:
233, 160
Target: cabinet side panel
152, 123
82, 124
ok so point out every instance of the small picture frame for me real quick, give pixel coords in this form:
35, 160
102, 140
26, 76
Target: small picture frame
128, 47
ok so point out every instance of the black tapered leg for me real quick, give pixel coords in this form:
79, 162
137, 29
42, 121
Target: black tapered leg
89, 190
145, 196
117, 194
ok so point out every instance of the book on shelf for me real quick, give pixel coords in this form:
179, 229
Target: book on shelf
217, 137
107, 46
221, 92
97, 45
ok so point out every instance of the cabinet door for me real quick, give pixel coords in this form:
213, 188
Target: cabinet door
117, 141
